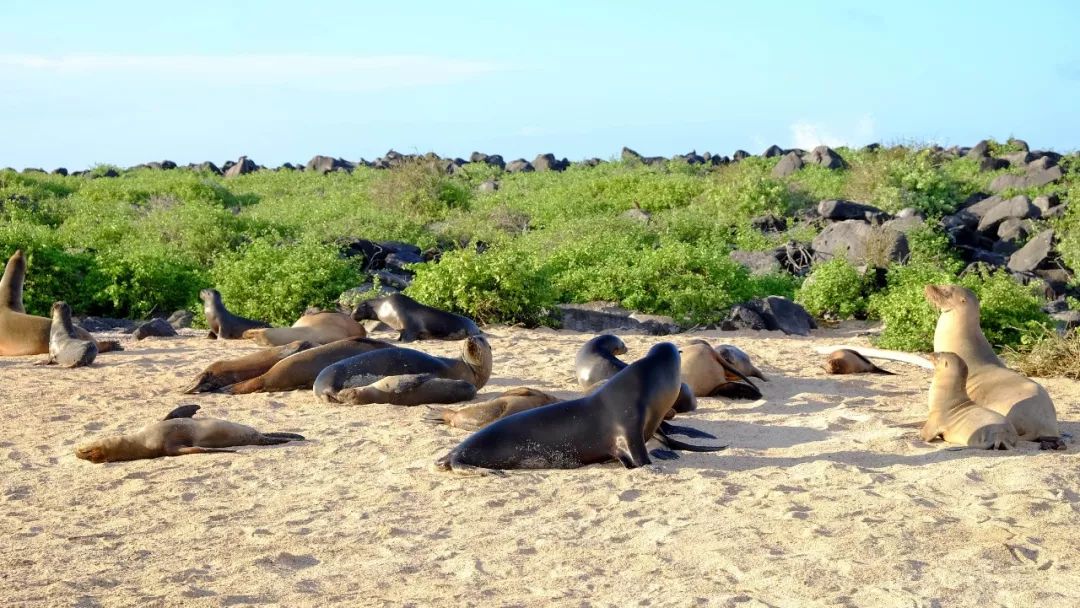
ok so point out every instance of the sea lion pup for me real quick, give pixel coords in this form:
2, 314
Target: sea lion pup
409, 389
989, 383
847, 361
179, 434
319, 327
414, 320
596, 360
738, 359
65, 347
476, 415
339, 382
221, 374
954, 416
877, 353
23, 334
300, 370
709, 375
223, 324
615, 422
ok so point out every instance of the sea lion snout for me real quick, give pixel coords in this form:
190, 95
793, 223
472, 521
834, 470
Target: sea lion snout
363, 311
91, 452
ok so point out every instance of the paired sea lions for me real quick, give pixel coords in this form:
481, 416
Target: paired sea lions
739, 360
299, 371
179, 434
414, 320
596, 363
476, 415
614, 422
339, 383
23, 334
847, 361
409, 389
221, 374
65, 347
955, 417
709, 375
990, 384
318, 327
223, 324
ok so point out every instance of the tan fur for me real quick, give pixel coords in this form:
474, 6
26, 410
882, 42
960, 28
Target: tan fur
300, 370
320, 328
220, 374
955, 417
990, 383
847, 361
476, 415
701, 368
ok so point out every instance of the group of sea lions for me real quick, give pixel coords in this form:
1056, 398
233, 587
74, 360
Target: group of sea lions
974, 399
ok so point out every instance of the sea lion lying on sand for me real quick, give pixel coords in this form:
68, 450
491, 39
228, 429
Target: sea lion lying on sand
739, 360
299, 371
954, 416
596, 363
414, 320
710, 375
476, 415
319, 327
847, 361
220, 374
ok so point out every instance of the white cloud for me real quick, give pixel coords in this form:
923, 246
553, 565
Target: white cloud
340, 72
807, 135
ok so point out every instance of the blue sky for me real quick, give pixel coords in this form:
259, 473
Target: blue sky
129, 82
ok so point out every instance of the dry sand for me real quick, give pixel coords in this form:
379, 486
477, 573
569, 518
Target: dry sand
826, 497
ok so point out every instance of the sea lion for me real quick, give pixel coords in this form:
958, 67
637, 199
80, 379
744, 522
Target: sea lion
223, 324
614, 422
23, 334
65, 347
409, 389
300, 370
338, 382
847, 361
877, 353
179, 434
989, 383
739, 360
710, 375
320, 328
954, 416
221, 374
476, 415
596, 363
414, 320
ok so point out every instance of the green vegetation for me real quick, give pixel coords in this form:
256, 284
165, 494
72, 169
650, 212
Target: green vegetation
147, 241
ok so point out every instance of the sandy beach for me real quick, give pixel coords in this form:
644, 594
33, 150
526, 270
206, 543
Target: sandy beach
826, 496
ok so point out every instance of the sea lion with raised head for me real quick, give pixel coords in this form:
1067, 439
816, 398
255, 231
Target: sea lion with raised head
739, 360
955, 418
612, 423
476, 415
319, 327
66, 349
339, 383
847, 361
223, 324
416, 321
710, 375
299, 371
179, 434
596, 363
221, 374
23, 334
990, 384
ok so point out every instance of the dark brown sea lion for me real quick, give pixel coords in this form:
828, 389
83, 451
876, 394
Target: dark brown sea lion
990, 384
476, 415
179, 434
337, 383
300, 370
23, 334
847, 361
614, 422
223, 324
221, 374
319, 327
414, 320
65, 347
409, 389
596, 363
955, 417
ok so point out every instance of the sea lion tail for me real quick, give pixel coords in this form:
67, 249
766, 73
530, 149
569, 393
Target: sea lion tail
108, 346
276, 438
436, 414
878, 370
452, 462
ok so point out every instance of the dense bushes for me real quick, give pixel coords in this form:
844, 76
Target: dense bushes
834, 289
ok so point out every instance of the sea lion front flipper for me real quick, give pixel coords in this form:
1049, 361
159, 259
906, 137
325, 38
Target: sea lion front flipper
929, 433
184, 411
689, 431
197, 450
49, 361
662, 454
1051, 443
211, 335
632, 454
408, 335
676, 444
736, 390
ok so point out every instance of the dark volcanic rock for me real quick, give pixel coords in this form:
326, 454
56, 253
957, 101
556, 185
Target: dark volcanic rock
400, 260
393, 279
490, 185
105, 324
1013, 229
740, 154
1033, 178
158, 328
772, 151
1018, 159
242, 167
860, 243
769, 223
989, 163
208, 167
757, 262
548, 162
789, 164
980, 149
825, 156
839, 210
181, 319
1033, 253
596, 317
1018, 206
519, 166
60, 171
326, 164
772, 313
1018, 143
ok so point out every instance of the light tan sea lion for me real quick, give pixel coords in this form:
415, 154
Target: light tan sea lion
739, 360
954, 416
300, 370
223, 324
23, 334
475, 415
179, 434
320, 328
989, 383
221, 374
65, 348
847, 361
707, 373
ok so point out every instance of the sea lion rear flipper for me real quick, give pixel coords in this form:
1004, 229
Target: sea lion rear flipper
436, 414
285, 436
632, 454
675, 444
878, 370
108, 346
689, 431
197, 450
1051, 443
184, 411
211, 335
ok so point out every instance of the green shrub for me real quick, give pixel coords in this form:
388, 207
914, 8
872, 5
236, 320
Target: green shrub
834, 289
138, 282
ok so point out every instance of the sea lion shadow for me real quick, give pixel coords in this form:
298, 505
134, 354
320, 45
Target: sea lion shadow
755, 436
149, 351
861, 459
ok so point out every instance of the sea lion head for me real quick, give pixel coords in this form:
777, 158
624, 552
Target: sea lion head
948, 361
60, 310
209, 295
96, 452
476, 352
948, 297
364, 310
610, 344
206, 382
